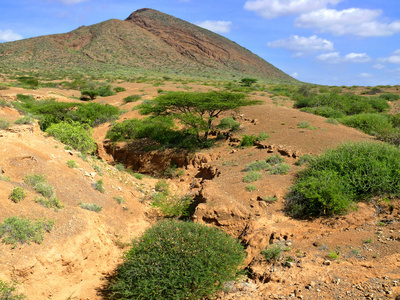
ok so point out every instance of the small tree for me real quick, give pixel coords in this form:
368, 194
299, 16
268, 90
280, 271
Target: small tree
248, 81
196, 110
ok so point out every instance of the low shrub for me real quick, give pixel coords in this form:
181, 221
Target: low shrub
8, 291
248, 140
306, 158
91, 206
250, 188
25, 120
258, 165
119, 89
33, 179
272, 253
73, 134
177, 260
161, 186
172, 206
119, 199
16, 230
5, 124
132, 98
372, 124
44, 189
252, 176
98, 186
72, 164
333, 182
276, 165
228, 123
17, 194
52, 202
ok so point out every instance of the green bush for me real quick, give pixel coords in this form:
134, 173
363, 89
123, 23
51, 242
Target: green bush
324, 111
73, 134
256, 166
52, 202
306, 158
372, 124
90, 206
132, 98
4, 124
250, 188
44, 189
98, 186
72, 164
25, 120
33, 179
248, 140
172, 206
17, 194
161, 186
252, 176
119, 199
177, 260
272, 253
333, 182
7, 291
15, 230
228, 123
119, 89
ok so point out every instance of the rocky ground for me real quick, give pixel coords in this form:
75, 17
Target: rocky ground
356, 256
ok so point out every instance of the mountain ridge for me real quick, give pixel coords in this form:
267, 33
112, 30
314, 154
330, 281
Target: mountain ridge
148, 41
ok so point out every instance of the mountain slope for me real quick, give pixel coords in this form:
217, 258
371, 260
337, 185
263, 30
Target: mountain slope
147, 42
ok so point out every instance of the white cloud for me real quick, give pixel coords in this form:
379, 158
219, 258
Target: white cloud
378, 66
365, 75
357, 57
353, 21
330, 58
270, 9
393, 59
294, 75
301, 44
336, 58
8, 35
216, 26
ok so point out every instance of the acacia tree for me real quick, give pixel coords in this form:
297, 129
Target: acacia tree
196, 110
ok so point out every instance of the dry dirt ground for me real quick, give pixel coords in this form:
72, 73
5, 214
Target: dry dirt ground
84, 247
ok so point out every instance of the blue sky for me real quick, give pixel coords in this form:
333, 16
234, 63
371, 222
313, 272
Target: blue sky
334, 42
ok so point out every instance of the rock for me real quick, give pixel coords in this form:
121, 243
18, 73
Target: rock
327, 263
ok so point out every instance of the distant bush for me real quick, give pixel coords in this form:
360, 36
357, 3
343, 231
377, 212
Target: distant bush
52, 202
7, 291
98, 186
252, 176
132, 98
119, 199
250, 188
73, 134
33, 179
119, 89
28, 82
25, 120
389, 97
248, 140
4, 124
306, 158
372, 124
324, 111
177, 260
228, 123
4, 103
91, 206
17, 194
272, 253
72, 164
256, 165
333, 182
16, 230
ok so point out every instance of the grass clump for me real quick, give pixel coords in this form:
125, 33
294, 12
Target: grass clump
72, 164
252, 176
250, 188
24, 120
119, 199
17, 194
16, 230
335, 181
52, 202
177, 260
7, 291
90, 206
256, 166
272, 253
4, 124
99, 186
33, 179
276, 165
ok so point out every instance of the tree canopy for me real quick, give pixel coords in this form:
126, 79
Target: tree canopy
196, 110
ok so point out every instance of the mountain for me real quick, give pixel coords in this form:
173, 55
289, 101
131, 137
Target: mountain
147, 42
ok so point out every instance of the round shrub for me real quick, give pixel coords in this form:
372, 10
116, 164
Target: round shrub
73, 134
177, 260
229, 123
333, 182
